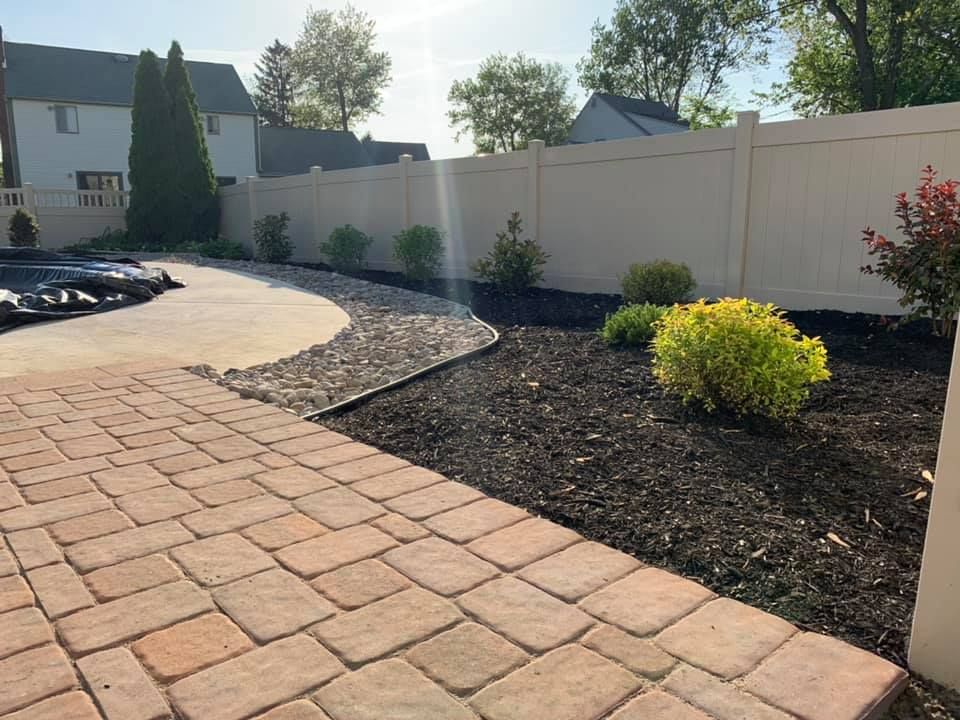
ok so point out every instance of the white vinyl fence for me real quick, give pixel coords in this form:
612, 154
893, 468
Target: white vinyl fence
64, 216
772, 210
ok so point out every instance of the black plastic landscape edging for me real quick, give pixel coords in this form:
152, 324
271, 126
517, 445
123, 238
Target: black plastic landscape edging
357, 400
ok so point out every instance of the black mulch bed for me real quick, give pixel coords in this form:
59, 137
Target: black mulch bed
554, 421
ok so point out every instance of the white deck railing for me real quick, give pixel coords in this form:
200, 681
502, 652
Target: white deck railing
32, 198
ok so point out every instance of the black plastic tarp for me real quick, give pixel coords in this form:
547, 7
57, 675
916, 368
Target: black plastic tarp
39, 285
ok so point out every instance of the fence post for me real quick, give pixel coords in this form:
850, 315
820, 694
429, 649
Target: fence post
534, 151
405, 161
252, 200
936, 618
30, 205
740, 204
315, 172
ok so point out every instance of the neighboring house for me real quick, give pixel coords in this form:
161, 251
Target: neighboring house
68, 117
612, 117
382, 152
292, 151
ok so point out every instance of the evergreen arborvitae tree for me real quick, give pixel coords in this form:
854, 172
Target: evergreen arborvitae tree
196, 183
275, 86
153, 175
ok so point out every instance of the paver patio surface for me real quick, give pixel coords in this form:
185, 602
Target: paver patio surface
191, 569
199, 323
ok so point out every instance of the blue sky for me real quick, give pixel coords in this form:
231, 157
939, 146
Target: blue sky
431, 43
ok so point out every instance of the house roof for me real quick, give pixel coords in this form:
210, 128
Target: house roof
44, 72
385, 153
291, 151
636, 106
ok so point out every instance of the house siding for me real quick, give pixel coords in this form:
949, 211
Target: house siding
601, 122
49, 159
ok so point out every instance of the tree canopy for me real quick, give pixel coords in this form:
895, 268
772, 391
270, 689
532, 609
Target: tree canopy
275, 87
511, 101
855, 55
666, 51
340, 73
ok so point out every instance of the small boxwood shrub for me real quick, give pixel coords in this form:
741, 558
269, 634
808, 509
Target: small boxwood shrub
218, 247
660, 282
270, 238
514, 264
419, 250
346, 248
739, 355
632, 325
23, 230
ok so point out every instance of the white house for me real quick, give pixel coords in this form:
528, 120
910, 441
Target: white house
67, 117
612, 117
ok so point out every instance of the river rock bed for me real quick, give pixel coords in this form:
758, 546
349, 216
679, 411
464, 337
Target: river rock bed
392, 333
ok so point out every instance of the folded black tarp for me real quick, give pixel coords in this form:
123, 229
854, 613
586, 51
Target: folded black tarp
39, 285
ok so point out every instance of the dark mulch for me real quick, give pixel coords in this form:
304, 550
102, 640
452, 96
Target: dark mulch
556, 422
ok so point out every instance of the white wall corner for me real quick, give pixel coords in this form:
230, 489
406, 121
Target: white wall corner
740, 203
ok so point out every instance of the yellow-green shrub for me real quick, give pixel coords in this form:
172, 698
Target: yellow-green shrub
632, 325
737, 354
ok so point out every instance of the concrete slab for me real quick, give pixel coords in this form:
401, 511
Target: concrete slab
224, 318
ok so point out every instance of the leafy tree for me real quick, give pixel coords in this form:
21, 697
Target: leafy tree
341, 75
196, 183
153, 172
664, 51
274, 91
511, 101
855, 55
702, 113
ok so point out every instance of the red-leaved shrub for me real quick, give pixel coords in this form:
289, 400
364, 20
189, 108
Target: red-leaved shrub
926, 265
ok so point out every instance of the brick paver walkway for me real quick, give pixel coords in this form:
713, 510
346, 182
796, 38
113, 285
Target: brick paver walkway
171, 550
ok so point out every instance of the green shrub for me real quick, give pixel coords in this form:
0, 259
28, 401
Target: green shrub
514, 264
346, 248
632, 324
118, 240
660, 282
219, 248
737, 354
420, 251
22, 229
270, 238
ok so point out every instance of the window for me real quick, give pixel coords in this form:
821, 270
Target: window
213, 124
223, 181
66, 116
95, 180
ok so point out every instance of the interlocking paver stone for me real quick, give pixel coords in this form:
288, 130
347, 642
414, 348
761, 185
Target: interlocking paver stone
388, 625
272, 604
646, 601
359, 584
389, 689
183, 463
571, 683
288, 432
523, 543
57, 489
187, 647
151, 452
217, 473
235, 516
227, 492
365, 467
525, 614
335, 455
821, 678
34, 548
31, 461
59, 590
440, 566
60, 470
304, 442
68, 431
89, 446
398, 482
99, 552
400, 528
23, 629
121, 687
9, 497
255, 681
203, 431
720, 699
338, 508
13, 449
293, 481
161, 503
34, 675
435, 499
94, 525
72, 705
636, 654
332, 550
299, 710
131, 577
129, 617
658, 705
579, 570
146, 439
725, 637
283, 531
8, 566
14, 593
30, 516
138, 425
469, 522
221, 559
466, 658
233, 447
129, 479
265, 422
